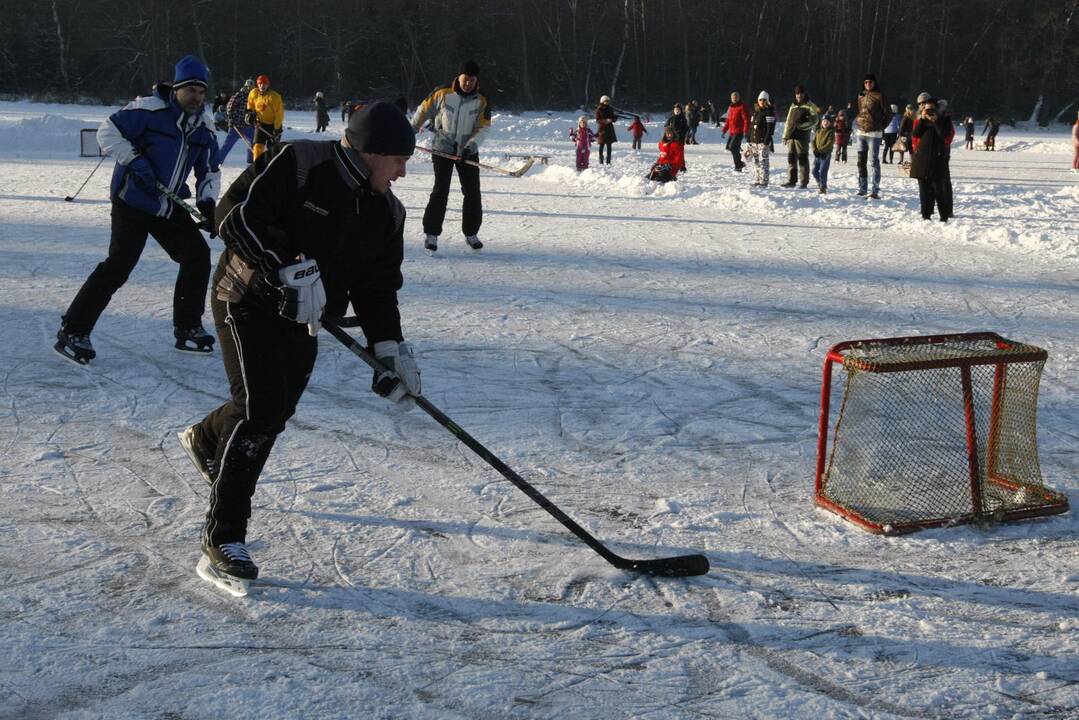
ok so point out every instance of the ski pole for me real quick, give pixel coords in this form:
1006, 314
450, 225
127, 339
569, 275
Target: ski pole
182, 203
70, 198
475, 163
677, 566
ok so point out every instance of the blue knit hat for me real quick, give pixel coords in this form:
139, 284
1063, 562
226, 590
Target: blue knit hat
190, 71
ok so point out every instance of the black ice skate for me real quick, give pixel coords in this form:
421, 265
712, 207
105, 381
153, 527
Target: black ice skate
228, 566
75, 347
473, 242
430, 244
193, 339
202, 464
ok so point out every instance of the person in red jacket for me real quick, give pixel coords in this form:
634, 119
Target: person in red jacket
671, 159
737, 126
842, 136
637, 129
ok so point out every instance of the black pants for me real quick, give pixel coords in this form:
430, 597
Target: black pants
887, 155
608, 146
179, 238
935, 191
734, 144
268, 361
472, 211
798, 162
636, 144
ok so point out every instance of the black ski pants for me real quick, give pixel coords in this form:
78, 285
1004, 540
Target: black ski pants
798, 160
936, 191
177, 235
887, 154
268, 361
608, 146
472, 210
734, 144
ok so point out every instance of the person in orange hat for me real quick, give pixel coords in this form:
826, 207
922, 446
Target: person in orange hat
265, 113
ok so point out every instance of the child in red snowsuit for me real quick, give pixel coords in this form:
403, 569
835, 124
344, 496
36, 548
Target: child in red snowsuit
671, 160
842, 136
637, 129
583, 136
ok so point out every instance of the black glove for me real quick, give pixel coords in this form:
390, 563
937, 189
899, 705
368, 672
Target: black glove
276, 136
206, 207
251, 117
143, 175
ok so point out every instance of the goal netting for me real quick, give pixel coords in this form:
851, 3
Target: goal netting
88, 146
933, 431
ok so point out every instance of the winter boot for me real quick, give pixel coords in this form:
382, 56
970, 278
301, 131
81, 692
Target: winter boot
430, 244
473, 242
228, 566
193, 339
189, 442
75, 347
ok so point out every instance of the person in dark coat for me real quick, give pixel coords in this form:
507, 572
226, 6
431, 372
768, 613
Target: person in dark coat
678, 123
605, 135
992, 125
929, 161
322, 115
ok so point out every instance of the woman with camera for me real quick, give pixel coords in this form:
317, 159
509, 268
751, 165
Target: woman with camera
929, 161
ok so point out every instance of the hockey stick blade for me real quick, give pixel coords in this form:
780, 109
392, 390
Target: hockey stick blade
680, 566
69, 199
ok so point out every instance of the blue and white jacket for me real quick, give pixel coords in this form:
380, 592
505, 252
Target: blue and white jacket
174, 143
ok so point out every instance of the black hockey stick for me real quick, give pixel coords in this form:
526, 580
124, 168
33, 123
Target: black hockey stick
679, 566
70, 198
475, 163
194, 211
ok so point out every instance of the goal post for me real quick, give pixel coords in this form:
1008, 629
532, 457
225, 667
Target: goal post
931, 431
88, 146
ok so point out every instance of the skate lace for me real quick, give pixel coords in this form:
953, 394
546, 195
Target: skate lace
237, 552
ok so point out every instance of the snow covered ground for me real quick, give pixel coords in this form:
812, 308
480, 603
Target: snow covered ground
648, 356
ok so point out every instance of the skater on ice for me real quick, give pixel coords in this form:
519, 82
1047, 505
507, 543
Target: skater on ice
461, 116
582, 137
316, 228
266, 114
637, 131
798, 136
238, 128
736, 127
605, 134
874, 114
156, 141
762, 125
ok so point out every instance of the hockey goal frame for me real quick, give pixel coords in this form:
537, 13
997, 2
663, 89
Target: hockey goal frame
87, 142
1051, 502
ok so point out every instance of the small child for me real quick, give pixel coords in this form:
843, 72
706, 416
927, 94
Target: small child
584, 137
671, 159
842, 136
637, 129
823, 141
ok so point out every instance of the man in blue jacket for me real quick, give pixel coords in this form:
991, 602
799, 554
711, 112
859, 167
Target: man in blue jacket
156, 141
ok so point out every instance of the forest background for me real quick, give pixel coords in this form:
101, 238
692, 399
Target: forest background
1016, 58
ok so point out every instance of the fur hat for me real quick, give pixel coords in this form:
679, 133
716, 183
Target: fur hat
764, 96
469, 67
190, 71
381, 129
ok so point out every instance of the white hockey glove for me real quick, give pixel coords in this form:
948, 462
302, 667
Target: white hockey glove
302, 295
401, 378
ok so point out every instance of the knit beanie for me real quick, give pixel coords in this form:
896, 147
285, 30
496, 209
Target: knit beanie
190, 71
469, 67
870, 76
381, 129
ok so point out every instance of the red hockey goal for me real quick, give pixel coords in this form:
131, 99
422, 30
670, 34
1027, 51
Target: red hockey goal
935, 430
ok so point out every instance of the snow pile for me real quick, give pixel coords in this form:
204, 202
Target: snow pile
52, 135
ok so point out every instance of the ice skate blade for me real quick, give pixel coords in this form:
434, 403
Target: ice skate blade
194, 459
194, 350
236, 587
59, 350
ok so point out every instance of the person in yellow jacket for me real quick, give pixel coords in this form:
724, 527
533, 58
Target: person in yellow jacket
461, 115
265, 113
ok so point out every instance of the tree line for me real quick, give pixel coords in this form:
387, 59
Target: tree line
984, 56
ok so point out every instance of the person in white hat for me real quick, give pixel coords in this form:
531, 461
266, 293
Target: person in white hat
762, 123
605, 135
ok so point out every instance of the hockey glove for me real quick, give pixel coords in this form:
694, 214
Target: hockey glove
143, 175
401, 378
206, 207
297, 294
251, 117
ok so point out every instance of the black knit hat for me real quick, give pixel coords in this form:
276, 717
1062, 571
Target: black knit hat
469, 67
381, 129
870, 76
799, 89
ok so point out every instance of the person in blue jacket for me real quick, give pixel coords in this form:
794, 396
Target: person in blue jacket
157, 141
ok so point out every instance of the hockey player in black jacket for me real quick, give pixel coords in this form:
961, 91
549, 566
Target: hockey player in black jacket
312, 229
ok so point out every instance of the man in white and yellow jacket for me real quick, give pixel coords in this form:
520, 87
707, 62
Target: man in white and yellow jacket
265, 113
460, 114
